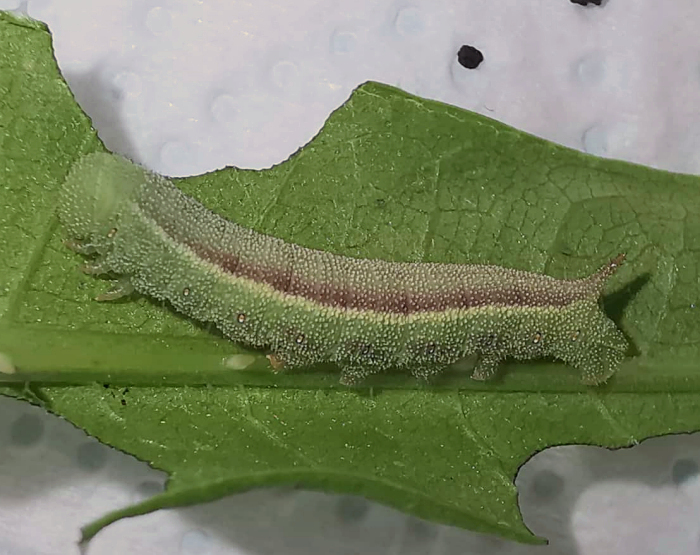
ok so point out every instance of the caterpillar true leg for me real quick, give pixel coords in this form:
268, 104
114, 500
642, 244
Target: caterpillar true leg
121, 288
94, 268
79, 246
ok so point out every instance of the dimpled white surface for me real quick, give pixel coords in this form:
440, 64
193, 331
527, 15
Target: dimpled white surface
189, 86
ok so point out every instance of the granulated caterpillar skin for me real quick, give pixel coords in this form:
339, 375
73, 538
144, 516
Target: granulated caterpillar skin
309, 306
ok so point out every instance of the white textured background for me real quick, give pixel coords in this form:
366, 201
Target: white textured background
188, 86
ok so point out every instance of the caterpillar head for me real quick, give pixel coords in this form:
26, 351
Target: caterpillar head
90, 199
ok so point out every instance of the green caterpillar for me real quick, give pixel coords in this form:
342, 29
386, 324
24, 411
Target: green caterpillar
308, 306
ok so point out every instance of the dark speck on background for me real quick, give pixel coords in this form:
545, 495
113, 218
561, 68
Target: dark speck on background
469, 57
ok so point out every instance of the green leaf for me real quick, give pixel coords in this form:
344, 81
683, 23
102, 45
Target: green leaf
392, 176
